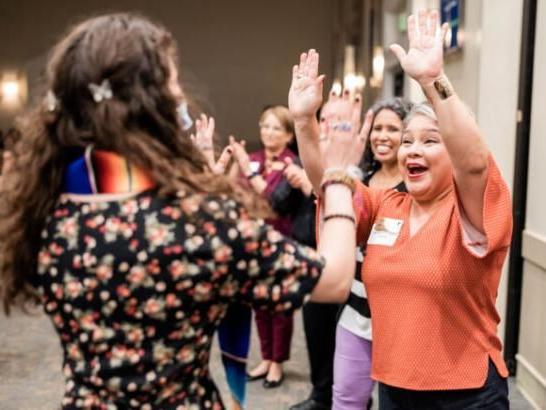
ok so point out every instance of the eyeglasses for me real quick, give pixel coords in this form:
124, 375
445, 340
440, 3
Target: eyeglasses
275, 128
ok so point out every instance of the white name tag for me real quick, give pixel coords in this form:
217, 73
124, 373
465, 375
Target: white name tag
385, 231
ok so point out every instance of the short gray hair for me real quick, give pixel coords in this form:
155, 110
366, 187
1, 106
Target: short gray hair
423, 108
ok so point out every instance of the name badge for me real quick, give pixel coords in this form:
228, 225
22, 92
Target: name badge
385, 231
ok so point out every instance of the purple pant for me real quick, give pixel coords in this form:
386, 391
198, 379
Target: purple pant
352, 368
275, 331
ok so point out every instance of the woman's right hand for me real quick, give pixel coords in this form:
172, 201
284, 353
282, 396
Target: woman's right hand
240, 154
305, 95
342, 139
204, 141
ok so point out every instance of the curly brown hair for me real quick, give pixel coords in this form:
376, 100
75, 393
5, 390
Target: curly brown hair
140, 123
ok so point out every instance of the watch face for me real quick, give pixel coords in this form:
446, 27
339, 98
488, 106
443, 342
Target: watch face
254, 166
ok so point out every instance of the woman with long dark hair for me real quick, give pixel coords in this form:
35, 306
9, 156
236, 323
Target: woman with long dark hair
114, 221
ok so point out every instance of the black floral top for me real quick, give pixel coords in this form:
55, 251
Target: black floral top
136, 289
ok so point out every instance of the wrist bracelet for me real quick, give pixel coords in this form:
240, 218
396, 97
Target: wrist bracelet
330, 182
338, 177
252, 174
443, 88
340, 216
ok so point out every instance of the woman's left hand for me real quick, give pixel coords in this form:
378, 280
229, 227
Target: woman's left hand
424, 61
296, 177
240, 154
343, 139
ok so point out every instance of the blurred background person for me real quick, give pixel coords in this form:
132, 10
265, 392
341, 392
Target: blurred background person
263, 171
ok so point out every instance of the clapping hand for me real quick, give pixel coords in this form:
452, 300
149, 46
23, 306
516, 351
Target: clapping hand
240, 155
424, 60
204, 141
296, 177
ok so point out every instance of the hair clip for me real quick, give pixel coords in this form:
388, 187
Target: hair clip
51, 102
101, 92
184, 115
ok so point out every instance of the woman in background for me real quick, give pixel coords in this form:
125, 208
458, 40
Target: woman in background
263, 170
353, 385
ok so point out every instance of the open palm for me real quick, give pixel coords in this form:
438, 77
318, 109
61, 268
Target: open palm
424, 60
305, 95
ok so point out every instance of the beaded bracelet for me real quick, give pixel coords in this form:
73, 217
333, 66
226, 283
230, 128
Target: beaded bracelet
329, 182
342, 216
338, 177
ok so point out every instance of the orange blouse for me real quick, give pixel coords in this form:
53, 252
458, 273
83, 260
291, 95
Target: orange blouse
432, 296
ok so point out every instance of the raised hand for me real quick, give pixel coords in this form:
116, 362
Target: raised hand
204, 133
204, 141
342, 139
305, 95
424, 60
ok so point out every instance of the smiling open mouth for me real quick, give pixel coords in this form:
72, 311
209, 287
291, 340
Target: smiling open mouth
382, 149
416, 170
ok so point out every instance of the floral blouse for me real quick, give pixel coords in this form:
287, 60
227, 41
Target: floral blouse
136, 288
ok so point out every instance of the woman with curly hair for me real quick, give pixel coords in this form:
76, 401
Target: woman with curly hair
115, 222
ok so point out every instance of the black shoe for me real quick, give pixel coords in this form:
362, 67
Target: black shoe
271, 384
250, 378
310, 404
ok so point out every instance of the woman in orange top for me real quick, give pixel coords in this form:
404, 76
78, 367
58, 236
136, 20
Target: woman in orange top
434, 255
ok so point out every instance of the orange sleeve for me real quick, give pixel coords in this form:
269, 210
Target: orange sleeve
497, 212
366, 202
497, 209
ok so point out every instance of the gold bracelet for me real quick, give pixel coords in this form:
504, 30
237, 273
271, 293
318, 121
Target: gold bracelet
442, 86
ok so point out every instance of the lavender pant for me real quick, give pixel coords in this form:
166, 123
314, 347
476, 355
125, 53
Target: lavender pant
352, 367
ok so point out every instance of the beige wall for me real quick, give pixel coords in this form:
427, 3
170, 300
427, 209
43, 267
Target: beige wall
237, 54
499, 46
532, 342
462, 67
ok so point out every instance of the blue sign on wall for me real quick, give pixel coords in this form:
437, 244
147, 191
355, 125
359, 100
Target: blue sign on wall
450, 11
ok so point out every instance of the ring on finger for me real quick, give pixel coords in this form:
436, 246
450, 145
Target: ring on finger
343, 126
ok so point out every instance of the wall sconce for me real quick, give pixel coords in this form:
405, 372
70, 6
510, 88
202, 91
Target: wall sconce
13, 90
378, 67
